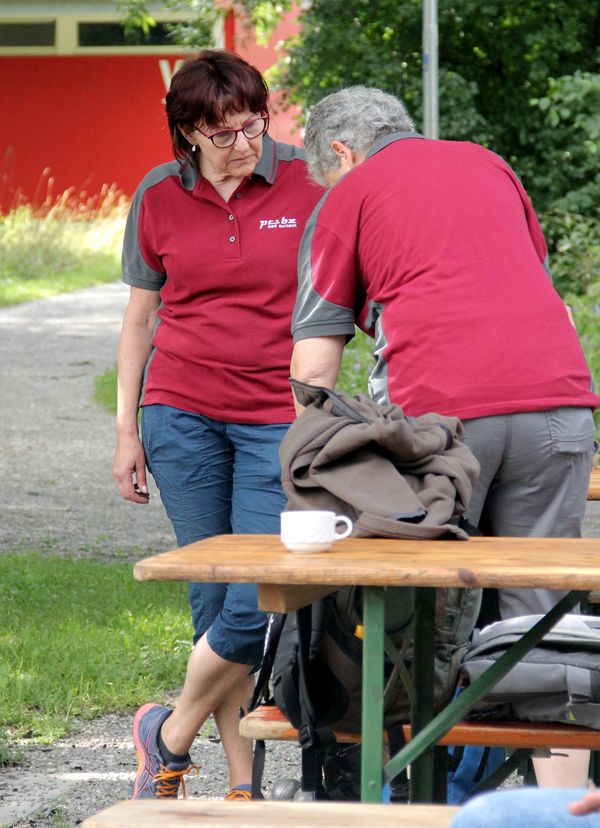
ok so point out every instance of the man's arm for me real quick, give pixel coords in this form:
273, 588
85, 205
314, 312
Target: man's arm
317, 361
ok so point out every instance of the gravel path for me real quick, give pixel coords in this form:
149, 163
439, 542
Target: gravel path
56, 450
57, 494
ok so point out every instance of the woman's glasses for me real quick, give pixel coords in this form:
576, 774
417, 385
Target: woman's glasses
227, 137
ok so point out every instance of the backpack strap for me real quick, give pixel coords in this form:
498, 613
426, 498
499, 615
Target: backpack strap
262, 695
397, 656
313, 739
399, 784
262, 692
258, 768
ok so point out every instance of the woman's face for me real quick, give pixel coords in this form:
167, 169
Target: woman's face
235, 161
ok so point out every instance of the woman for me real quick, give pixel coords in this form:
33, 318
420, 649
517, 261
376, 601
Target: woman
210, 253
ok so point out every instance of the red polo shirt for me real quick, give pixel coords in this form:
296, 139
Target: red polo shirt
226, 273
434, 249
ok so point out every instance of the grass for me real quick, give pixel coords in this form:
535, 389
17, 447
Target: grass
84, 639
66, 244
105, 390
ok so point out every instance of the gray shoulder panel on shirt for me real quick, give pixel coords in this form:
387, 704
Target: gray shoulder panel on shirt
274, 152
314, 316
289, 152
135, 269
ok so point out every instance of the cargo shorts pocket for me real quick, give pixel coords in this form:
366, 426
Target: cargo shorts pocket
571, 430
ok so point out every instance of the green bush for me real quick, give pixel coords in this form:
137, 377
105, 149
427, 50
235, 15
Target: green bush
586, 313
574, 250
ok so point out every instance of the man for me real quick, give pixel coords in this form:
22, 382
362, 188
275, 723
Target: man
526, 806
433, 248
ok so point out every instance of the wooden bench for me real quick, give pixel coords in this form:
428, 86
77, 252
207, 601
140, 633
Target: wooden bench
268, 722
155, 813
594, 487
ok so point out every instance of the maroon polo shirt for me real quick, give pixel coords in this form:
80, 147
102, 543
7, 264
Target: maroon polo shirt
434, 249
226, 273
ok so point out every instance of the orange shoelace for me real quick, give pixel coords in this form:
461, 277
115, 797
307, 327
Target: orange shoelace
237, 795
168, 781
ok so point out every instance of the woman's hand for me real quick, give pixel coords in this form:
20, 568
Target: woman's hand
129, 469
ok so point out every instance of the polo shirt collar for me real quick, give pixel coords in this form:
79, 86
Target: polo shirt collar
266, 167
386, 140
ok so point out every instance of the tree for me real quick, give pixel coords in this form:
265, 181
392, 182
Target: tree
519, 76
197, 30
497, 62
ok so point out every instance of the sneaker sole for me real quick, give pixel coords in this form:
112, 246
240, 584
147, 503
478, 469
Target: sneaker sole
138, 743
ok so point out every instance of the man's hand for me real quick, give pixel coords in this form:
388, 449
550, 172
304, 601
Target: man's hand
588, 805
129, 469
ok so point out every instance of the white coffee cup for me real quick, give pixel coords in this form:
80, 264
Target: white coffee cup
312, 531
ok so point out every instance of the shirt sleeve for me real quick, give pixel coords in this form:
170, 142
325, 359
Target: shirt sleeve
140, 265
325, 303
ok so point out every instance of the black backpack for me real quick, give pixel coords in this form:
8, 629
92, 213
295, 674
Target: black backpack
312, 671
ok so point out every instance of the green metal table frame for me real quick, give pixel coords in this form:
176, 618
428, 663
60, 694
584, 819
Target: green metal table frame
426, 728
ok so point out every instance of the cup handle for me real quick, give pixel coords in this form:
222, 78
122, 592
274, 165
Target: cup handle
347, 530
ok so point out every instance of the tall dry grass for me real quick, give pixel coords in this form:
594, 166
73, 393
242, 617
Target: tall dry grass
60, 242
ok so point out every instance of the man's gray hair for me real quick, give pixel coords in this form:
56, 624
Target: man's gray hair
357, 116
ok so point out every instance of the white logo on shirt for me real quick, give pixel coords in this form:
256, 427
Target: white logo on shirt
273, 224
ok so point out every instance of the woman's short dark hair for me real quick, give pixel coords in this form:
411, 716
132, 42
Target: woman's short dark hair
208, 87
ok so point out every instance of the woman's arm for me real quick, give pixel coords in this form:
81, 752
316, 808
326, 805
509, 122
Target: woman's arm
129, 467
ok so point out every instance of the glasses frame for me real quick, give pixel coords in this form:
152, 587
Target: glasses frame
235, 132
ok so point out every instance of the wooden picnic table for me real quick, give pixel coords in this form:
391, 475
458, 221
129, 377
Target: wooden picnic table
287, 581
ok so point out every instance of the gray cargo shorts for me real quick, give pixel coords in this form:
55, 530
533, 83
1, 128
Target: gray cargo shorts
535, 470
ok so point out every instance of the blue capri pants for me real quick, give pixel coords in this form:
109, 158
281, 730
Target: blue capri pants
218, 478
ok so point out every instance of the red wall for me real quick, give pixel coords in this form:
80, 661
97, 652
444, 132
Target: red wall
90, 121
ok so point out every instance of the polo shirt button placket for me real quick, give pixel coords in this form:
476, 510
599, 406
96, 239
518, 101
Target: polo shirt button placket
233, 237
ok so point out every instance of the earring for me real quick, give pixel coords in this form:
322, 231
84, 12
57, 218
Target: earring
194, 147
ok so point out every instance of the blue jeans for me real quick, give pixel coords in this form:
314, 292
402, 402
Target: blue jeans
524, 808
217, 478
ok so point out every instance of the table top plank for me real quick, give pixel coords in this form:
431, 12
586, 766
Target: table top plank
549, 563
144, 813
